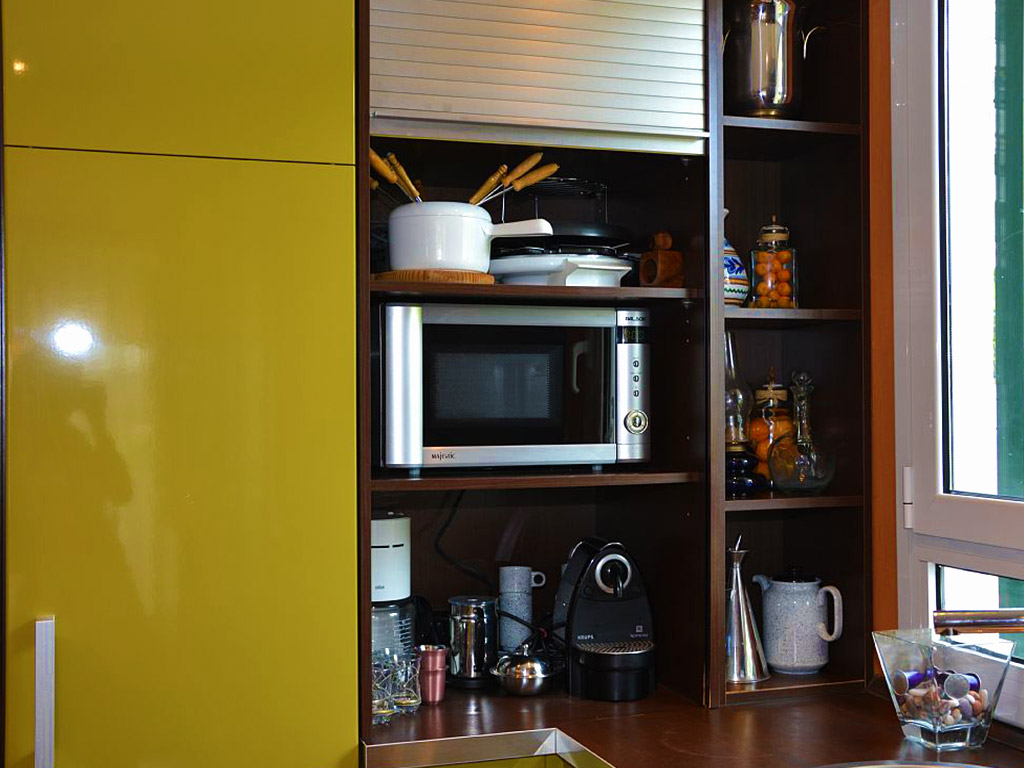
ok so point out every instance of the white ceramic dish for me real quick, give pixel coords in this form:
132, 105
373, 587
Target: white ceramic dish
561, 269
449, 236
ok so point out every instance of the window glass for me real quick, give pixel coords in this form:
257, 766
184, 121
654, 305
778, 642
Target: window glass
984, 259
961, 590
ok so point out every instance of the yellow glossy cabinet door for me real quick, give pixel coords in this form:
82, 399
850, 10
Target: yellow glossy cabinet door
181, 459
231, 78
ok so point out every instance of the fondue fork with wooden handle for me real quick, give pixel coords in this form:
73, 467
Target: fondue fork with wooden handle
494, 184
525, 181
385, 171
491, 185
403, 179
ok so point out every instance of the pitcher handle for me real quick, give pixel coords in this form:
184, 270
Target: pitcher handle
525, 228
837, 614
807, 37
762, 581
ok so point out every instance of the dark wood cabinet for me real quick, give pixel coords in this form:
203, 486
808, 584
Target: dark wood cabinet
672, 513
809, 172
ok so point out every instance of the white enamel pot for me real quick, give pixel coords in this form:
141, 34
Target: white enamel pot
450, 236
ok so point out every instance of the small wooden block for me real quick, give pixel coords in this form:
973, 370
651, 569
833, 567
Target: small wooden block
662, 268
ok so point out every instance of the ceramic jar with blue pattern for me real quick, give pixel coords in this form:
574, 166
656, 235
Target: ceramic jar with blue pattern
736, 280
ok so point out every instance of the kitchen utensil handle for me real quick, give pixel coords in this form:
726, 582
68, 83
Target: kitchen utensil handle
406, 182
45, 693
522, 168
762, 581
490, 185
383, 169
526, 228
534, 176
837, 614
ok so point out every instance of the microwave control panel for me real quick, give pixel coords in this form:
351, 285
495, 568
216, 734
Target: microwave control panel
632, 387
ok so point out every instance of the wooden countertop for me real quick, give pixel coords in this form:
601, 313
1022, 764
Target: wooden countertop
663, 730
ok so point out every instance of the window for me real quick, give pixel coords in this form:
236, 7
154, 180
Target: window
962, 590
982, 285
958, 196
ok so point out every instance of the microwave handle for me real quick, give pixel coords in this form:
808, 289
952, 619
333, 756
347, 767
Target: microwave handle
579, 349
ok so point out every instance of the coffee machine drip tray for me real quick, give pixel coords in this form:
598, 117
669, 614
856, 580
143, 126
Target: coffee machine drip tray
630, 646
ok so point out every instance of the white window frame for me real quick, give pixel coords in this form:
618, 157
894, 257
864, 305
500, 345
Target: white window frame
980, 534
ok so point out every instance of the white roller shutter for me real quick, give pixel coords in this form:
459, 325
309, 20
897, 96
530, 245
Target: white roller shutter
626, 75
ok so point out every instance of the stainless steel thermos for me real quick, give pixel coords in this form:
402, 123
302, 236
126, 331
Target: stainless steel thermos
473, 624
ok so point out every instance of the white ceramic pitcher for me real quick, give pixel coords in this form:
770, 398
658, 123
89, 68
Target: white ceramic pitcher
796, 636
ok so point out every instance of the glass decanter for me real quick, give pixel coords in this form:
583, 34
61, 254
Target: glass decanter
798, 464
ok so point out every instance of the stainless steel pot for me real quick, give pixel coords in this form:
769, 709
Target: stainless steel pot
764, 54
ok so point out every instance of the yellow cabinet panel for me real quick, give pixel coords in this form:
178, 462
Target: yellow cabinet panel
219, 79
181, 459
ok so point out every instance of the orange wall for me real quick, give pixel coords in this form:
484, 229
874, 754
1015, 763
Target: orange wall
883, 458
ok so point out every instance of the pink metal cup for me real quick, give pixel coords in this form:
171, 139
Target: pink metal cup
432, 672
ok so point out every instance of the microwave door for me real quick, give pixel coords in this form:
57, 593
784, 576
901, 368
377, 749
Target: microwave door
507, 395
589, 406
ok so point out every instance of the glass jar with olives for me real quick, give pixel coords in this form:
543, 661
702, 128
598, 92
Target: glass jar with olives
770, 421
773, 269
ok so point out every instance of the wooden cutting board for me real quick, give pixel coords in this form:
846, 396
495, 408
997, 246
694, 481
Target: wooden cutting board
435, 276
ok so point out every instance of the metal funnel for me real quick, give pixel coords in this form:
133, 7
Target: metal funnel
744, 655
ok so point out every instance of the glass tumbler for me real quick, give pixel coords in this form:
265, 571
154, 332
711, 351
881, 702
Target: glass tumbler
382, 690
407, 682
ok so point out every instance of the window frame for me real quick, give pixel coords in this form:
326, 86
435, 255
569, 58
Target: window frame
934, 527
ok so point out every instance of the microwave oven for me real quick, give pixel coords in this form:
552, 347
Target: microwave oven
467, 385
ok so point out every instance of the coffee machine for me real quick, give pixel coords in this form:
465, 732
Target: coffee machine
603, 617
393, 610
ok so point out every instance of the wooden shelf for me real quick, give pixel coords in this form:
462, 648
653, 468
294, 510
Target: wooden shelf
749, 316
772, 501
802, 126
784, 686
492, 480
764, 139
533, 292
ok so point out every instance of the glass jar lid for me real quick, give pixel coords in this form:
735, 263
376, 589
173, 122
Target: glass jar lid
771, 391
774, 233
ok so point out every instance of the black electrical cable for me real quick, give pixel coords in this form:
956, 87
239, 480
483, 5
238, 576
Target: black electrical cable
466, 569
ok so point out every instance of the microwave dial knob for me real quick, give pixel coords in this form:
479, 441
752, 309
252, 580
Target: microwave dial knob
636, 422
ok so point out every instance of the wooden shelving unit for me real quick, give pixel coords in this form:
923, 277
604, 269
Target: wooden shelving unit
776, 501
751, 316
800, 126
522, 480
785, 686
810, 173
533, 292
487, 518
673, 514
